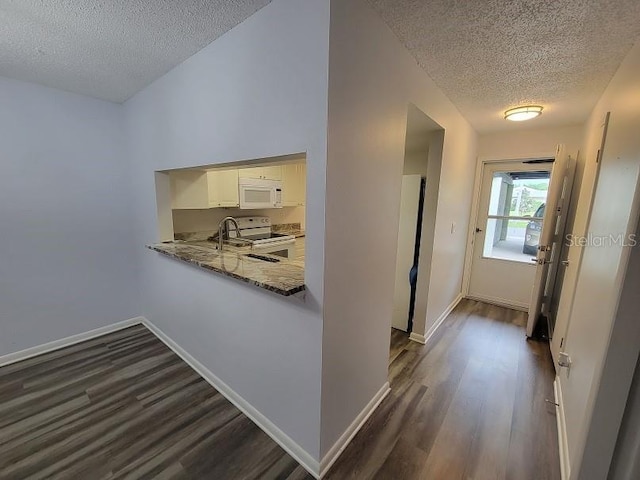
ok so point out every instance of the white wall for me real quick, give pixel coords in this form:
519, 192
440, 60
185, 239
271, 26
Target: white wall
423, 324
205, 220
539, 143
603, 336
530, 142
626, 459
67, 250
417, 138
415, 161
258, 91
372, 81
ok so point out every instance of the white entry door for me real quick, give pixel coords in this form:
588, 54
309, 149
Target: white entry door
513, 200
550, 241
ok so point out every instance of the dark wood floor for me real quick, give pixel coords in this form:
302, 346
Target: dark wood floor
125, 406
468, 405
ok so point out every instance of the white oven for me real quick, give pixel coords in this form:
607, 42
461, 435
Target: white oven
286, 249
259, 193
257, 230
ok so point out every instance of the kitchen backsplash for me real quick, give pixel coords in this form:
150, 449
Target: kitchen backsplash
185, 221
286, 228
195, 236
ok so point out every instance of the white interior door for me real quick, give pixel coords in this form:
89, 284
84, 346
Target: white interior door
574, 257
549, 245
558, 267
409, 205
512, 197
608, 241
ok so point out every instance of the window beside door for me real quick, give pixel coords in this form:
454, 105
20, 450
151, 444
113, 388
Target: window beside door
516, 210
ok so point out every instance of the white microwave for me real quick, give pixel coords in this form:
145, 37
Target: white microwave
259, 193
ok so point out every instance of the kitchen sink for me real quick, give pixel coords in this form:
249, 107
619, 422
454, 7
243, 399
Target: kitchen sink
264, 258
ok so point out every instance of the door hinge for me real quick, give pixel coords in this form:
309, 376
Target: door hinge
541, 261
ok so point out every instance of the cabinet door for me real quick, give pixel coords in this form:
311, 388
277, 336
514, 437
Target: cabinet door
189, 190
268, 173
294, 185
223, 188
290, 186
272, 173
302, 184
252, 172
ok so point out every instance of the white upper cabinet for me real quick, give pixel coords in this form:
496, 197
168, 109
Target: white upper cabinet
268, 173
189, 190
294, 185
223, 188
200, 189
302, 179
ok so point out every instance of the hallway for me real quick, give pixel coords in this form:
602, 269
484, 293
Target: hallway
468, 405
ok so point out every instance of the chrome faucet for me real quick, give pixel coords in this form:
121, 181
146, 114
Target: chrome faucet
222, 226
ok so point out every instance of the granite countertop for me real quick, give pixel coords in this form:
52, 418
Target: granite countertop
285, 277
289, 229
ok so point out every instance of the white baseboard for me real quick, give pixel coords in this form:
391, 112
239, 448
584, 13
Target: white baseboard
336, 450
565, 466
315, 468
443, 317
416, 337
66, 342
501, 302
281, 438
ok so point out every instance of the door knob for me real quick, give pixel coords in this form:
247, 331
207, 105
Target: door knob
478, 230
565, 263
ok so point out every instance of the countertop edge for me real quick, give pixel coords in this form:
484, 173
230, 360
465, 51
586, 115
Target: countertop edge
271, 288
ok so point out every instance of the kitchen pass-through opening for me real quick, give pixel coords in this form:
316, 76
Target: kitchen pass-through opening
266, 198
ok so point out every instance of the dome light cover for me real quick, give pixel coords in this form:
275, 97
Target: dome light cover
521, 114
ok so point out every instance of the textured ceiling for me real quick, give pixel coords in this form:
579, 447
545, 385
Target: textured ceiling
489, 55
109, 49
486, 55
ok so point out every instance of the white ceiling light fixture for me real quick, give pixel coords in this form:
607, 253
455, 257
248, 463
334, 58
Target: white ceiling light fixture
520, 114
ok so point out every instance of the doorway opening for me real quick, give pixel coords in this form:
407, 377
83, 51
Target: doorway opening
517, 239
418, 205
510, 217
